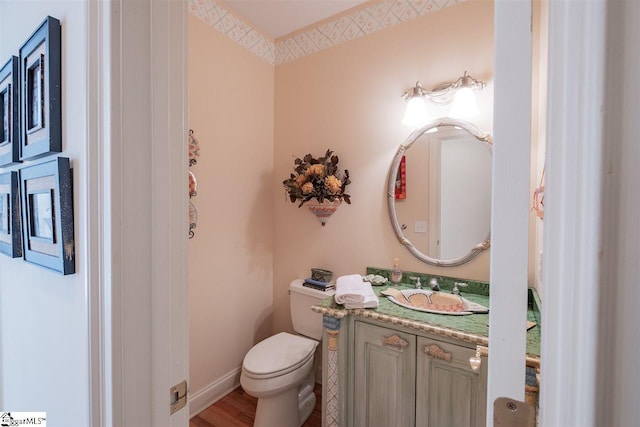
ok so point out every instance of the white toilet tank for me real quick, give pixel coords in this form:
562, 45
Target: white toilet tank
301, 298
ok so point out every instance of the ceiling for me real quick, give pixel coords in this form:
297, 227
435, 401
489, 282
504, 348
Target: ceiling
276, 18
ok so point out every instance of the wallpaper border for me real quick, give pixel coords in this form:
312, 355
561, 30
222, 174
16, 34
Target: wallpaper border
372, 17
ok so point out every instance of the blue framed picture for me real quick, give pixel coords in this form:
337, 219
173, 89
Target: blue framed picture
40, 93
10, 220
47, 215
9, 113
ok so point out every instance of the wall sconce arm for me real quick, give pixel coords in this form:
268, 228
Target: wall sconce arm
443, 93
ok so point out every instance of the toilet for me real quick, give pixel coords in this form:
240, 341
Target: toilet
279, 371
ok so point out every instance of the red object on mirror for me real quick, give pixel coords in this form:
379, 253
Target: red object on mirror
401, 180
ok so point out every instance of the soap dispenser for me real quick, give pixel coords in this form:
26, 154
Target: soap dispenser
396, 273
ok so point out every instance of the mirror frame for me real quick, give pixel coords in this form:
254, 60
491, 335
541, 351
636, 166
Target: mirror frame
391, 201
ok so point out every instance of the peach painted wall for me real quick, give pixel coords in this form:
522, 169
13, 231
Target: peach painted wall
347, 98
231, 99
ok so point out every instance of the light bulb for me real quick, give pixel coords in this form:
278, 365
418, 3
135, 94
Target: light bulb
416, 112
464, 104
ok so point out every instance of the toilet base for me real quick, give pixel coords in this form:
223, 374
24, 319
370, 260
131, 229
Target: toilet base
306, 407
276, 410
285, 400
306, 397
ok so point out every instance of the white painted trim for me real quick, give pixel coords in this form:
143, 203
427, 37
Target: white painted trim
618, 318
169, 206
202, 399
510, 202
573, 195
99, 305
145, 288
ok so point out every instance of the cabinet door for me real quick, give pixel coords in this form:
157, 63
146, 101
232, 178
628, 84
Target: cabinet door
384, 377
448, 392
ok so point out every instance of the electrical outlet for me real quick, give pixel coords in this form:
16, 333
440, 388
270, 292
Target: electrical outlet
420, 227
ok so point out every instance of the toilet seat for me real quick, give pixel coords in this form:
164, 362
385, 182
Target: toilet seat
278, 355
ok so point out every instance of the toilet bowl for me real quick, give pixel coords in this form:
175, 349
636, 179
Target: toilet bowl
279, 370
274, 371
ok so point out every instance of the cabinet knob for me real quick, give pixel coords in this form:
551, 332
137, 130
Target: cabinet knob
476, 361
436, 352
394, 341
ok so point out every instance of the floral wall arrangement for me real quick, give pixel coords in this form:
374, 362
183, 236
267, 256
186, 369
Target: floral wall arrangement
319, 183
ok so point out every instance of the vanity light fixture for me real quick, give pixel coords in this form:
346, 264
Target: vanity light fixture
416, 113
459, 92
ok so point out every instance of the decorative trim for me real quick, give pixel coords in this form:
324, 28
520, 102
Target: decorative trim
235, 28
333, 390
194, 153
393, 320
358, 23
331, 322
530, 361
202, 399
372, 17
330, 312
463, 336
436, 352
394, 341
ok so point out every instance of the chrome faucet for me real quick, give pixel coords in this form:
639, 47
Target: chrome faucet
456, 286
434, 284
418, 285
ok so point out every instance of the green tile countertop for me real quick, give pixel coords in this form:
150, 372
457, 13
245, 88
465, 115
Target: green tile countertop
473, 328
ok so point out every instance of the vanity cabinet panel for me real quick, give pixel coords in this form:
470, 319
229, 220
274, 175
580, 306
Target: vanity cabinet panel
384, 377
448, 392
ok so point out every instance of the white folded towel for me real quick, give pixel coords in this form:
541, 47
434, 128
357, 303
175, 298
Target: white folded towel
353, 292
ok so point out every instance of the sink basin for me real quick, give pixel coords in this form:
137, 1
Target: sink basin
433, 302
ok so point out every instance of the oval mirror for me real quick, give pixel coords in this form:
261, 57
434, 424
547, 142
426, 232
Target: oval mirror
439, 192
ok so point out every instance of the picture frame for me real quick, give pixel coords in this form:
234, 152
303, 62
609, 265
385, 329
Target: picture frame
10, 217
10, 112
40, 92
46, 191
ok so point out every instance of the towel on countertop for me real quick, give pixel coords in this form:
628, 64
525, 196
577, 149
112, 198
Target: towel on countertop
353, 292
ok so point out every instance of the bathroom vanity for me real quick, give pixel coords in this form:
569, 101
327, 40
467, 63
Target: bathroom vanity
393, 366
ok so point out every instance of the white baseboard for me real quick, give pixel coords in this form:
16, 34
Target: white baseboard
202, 399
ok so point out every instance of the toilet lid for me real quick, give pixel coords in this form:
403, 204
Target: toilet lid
278, 355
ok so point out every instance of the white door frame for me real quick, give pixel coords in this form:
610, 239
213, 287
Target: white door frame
573, 214
98, 188
510, 202
137, 145
576, 320
136, 135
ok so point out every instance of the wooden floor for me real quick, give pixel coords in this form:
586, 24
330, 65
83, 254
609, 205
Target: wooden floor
237, 409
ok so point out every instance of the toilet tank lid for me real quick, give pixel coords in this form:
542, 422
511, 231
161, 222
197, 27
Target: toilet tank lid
298, 286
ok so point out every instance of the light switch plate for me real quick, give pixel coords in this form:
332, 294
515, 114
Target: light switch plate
420, 227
